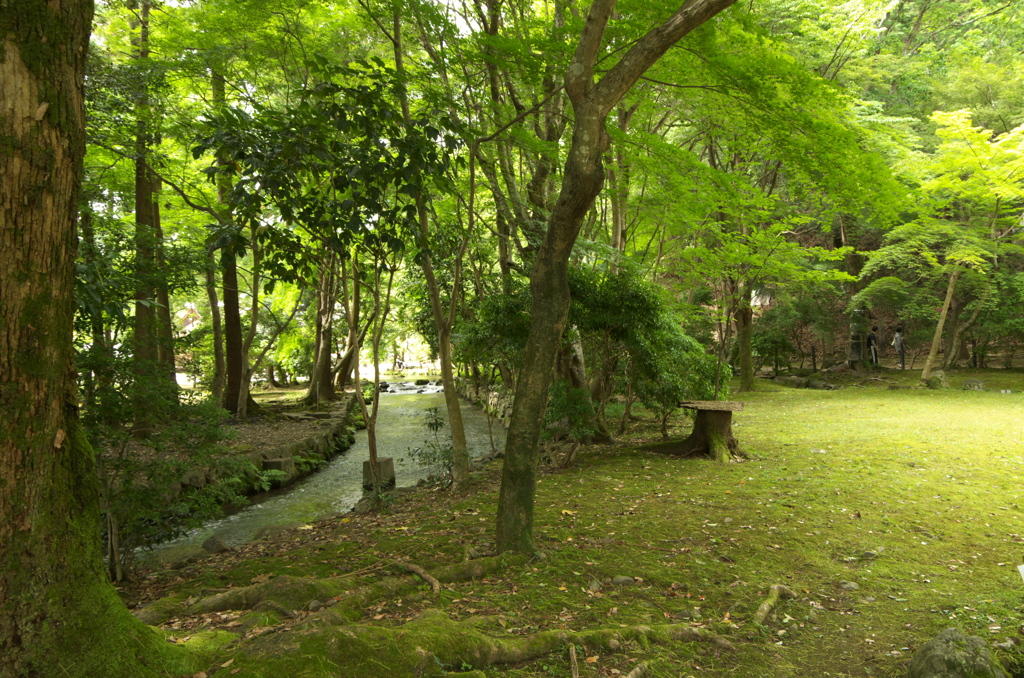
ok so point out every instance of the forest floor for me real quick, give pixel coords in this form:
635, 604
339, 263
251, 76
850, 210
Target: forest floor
891, 513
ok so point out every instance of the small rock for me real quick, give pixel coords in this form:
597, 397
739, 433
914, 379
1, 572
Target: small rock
953, 654
868, 599
1005, 645
849, 585
620, 580
215, 545
314, 605
594, 585
973, 385
614, 644
683, 614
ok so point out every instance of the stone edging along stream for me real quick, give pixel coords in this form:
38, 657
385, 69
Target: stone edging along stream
296, 460
497, 403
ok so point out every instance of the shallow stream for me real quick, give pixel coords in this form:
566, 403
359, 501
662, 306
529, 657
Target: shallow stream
401, 425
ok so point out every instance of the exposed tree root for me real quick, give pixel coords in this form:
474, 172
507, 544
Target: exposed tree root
294, 593
639, 672
435, 585
431, 644
776, 593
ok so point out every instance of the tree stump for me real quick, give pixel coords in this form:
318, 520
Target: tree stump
712, 432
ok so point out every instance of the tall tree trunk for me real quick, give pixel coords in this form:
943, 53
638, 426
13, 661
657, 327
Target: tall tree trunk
217, 385
59, 614
954, 354
443, 321
101, 375
164, 323
244, 398
321, 382
234, 361
619, 177
233, 358
937, 338
549, 286
145, 354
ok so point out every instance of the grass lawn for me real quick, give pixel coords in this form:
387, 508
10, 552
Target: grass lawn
892, 513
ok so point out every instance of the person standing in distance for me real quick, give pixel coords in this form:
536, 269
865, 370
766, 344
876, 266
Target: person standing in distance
873, 345
897, 343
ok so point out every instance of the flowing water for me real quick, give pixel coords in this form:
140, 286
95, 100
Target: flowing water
401, 425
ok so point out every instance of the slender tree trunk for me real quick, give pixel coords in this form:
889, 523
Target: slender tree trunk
954, 354
321, 382
164, 323
248, 368
549, 286
101, 374
380, 312
217, 386
442, 321
937, 338
233, 358
619, 177
145, 353
744, 336
59, 614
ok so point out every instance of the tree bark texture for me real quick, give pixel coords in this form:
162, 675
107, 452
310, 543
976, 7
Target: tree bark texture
744, 337
59, 615
582, 179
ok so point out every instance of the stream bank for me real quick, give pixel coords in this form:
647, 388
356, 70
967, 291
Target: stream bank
336, 487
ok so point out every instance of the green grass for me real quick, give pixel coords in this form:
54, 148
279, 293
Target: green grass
913, 495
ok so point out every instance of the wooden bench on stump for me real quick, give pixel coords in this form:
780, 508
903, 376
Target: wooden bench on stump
712, 432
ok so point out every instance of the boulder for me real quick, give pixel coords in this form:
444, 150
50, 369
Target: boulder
937, 380
953, 654
973, 385
215, 545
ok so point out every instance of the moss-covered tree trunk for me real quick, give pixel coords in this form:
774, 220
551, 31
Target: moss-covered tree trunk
582, 180
59, 616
